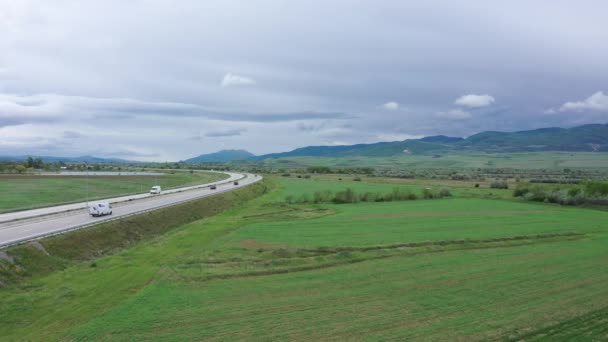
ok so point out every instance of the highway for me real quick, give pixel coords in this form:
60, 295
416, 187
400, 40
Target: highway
28, 225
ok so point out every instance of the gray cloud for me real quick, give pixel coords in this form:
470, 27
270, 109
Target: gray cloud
225, 133
71, 135
10, 121
128, 154
455, 114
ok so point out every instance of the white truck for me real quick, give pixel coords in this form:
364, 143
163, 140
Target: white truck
100, 209
155, 190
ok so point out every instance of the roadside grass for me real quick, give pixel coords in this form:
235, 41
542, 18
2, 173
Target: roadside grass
30, 191
448, 269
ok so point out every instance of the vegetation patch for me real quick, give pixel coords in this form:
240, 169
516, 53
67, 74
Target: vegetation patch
588, 193
456, 213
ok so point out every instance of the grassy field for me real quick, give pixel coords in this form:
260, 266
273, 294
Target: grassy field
21, 192
461, 268
522, 160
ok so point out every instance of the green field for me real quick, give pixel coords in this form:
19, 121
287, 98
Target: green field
470, 267
21, 192
521, 160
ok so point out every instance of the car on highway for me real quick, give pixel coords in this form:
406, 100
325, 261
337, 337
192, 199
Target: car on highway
100, 209
155, 190
236, 183
213, 187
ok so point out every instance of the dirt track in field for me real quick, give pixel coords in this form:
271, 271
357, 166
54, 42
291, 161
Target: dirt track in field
456, 213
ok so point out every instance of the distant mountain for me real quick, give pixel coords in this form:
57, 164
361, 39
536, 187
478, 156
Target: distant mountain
81, 159
590, 138
442, 139
221, 157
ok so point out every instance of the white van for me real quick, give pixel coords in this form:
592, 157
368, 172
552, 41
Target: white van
100, 209
155, 190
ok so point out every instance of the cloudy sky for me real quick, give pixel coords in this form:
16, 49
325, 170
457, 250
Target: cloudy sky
168, 80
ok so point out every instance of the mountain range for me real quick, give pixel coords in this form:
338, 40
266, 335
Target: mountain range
222, 156
586, 138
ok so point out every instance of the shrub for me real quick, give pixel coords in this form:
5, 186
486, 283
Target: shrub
322, 196
445, 193
477, 185
427, 193
319, 169
520, 191
499, 185
596, 188
357, 179
346, 196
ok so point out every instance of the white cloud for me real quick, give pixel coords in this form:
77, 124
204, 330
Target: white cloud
391, 106
231, 79
475, 101
456, 114
597, 102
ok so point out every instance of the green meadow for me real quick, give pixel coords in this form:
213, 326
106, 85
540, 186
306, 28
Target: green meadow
20, 192
472, 266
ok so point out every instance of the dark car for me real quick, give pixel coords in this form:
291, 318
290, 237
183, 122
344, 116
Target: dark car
236, 183
213, 187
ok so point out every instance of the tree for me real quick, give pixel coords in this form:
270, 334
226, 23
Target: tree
37, 163
20, 168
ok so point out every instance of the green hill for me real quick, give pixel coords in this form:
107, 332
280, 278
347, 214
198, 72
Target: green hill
587, 138
221, 157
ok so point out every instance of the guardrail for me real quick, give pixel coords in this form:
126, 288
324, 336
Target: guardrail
121, 199
111, 219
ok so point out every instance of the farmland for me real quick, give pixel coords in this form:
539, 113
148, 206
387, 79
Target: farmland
457, 161
471, 266
21, 192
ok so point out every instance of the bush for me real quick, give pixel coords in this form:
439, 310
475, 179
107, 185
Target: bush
322, 196
318, 169
357, 179
445, 193
477, 185
596, 188
499, 185
427, 193
572, 196
346, 196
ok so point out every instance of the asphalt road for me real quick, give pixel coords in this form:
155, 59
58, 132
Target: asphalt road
56, 220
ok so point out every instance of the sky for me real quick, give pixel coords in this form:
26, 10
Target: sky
168, 80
